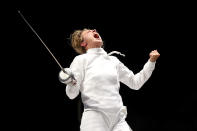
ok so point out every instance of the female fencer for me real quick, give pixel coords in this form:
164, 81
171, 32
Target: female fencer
97, 76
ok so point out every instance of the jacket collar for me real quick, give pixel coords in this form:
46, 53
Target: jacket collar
96, 51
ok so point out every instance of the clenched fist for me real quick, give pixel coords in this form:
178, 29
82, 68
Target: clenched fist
154, 55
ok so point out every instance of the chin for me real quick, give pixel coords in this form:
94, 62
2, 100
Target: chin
100, 45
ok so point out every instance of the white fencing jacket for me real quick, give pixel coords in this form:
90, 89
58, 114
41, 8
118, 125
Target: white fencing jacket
98, 78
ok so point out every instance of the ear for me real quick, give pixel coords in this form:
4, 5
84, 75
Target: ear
83, 44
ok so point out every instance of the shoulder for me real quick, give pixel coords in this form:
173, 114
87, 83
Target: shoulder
79, 58
114, 59
78, 61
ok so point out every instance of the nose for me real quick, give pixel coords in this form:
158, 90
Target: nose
94, 30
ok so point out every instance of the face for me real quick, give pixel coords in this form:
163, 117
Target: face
91, 39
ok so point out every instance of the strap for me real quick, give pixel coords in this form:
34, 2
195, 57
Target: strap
116, 52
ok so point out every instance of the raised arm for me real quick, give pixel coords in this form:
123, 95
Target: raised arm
136, 81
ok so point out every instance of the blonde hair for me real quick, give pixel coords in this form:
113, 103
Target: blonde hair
76, 40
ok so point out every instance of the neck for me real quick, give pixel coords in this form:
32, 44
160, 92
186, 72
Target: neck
92, 47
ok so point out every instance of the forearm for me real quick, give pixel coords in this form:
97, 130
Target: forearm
140, 78
72, 88
144, 75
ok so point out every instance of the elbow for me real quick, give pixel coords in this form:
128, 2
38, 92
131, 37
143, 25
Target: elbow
71, 92
137, 85
71, 97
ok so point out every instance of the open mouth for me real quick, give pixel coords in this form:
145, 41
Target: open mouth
96, 36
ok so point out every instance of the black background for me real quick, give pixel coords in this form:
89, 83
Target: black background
37, 100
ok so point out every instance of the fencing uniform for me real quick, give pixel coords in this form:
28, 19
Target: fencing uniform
98, 77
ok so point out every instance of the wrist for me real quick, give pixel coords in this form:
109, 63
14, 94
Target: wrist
152, 60
67, 77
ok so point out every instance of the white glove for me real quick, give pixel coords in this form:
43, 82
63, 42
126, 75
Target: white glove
66, 78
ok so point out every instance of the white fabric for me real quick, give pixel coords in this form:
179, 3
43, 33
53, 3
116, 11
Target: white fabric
98, 79
100, 121
116, 52
66, 78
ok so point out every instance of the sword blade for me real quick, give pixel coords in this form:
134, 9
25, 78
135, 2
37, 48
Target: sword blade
42, 41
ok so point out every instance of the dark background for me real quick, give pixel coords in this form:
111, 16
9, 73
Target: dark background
37, 99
